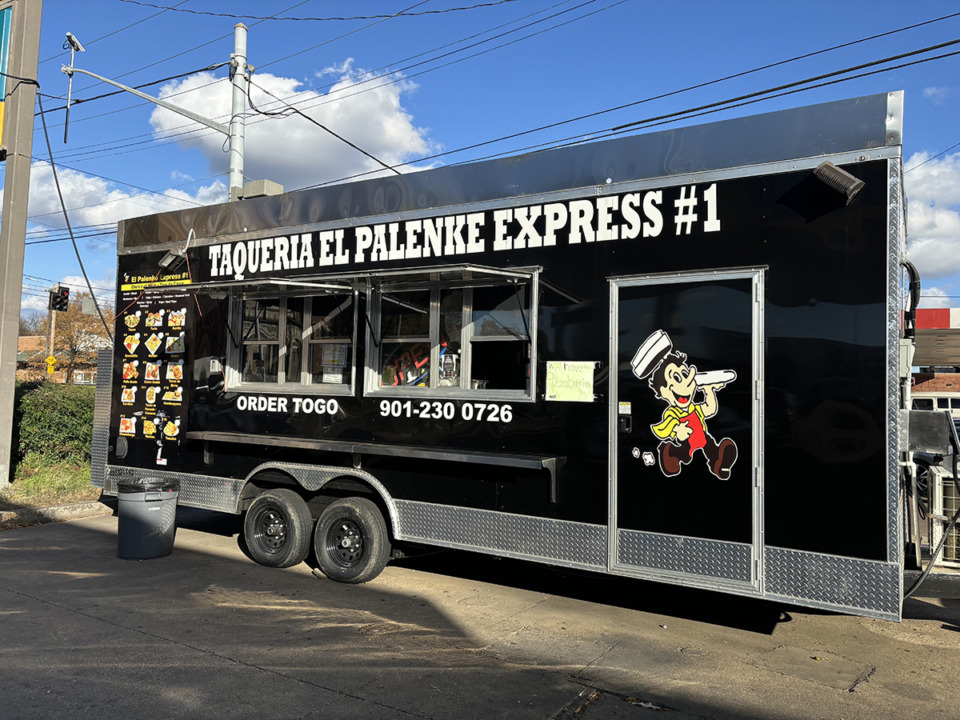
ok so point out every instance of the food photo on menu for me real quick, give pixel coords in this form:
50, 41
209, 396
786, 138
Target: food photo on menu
153, 372
175, 371
175, 344
154, 342
131, 342
177, 318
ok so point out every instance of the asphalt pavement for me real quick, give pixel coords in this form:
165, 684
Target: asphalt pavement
205, 632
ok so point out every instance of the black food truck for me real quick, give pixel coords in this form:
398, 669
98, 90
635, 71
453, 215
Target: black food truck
678, 356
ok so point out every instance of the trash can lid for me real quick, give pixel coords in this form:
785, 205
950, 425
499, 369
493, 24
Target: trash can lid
146, 484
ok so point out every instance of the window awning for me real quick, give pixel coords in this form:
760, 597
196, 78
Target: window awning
461, 275
265, 283
447, 276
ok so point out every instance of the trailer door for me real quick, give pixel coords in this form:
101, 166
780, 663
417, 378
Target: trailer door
686, 436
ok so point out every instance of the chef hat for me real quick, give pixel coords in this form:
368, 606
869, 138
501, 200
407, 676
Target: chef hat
651, 353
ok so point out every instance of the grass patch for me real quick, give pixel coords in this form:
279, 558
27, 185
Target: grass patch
52, 428
59, 484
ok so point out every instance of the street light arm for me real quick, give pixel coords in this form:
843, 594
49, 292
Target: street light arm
213, 124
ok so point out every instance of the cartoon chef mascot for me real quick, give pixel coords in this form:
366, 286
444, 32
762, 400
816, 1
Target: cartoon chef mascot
683, 428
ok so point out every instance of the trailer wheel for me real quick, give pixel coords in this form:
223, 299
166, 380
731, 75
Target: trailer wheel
351, 541
277, 528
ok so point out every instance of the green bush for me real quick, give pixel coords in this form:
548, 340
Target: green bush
53, 423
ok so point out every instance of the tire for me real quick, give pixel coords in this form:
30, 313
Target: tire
351, 541
277, 528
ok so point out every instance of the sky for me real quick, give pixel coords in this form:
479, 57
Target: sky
424, 83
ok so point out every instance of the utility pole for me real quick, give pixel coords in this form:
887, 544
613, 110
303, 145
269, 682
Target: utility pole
23, 53
51, 328
238, 109
235, 129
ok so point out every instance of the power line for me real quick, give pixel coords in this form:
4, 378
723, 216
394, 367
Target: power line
66, 219
401, 71
236, 16
76, 285
201, 132
684, 90
341, 37
807, 55
67, 237
939, 154
197, 132
291, 109
329, 99
77, 101
120, 30
913, 26
686, 114
808, 80
183, 53
709, 109
143, 190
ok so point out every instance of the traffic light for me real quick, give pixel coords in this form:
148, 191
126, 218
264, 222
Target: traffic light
60, 298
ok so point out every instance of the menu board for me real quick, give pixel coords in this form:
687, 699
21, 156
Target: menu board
152, 332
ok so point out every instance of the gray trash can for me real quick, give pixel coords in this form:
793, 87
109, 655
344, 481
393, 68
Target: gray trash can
147, 517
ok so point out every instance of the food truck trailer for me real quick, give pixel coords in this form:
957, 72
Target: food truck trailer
680, 356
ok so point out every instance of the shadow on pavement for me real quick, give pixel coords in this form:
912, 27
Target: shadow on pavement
742, 613
204, 630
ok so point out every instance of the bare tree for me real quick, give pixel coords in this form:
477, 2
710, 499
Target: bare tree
79, 336
31, 325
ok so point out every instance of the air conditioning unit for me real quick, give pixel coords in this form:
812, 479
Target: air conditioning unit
944, 501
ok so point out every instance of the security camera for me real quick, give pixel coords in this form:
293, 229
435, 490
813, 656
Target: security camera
74, 43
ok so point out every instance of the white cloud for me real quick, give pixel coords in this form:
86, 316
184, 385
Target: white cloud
937, 94
90, 202
94, 201
36, 301
933, 214
934, 297
290, 149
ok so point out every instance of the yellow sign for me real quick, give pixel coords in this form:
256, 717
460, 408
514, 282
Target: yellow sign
51, 361
153, 284
570, 381
143, 282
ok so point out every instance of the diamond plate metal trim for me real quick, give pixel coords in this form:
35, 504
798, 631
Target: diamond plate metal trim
201, 491
862, 587
557, 541
896, 249
690, 556
314, 477
100, 442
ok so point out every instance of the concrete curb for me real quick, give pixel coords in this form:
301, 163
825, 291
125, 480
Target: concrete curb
10, 519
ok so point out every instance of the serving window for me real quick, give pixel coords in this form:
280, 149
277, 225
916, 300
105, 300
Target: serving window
293, 342
460, 333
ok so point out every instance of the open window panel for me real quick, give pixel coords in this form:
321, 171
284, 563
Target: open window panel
458, 331
294, 338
